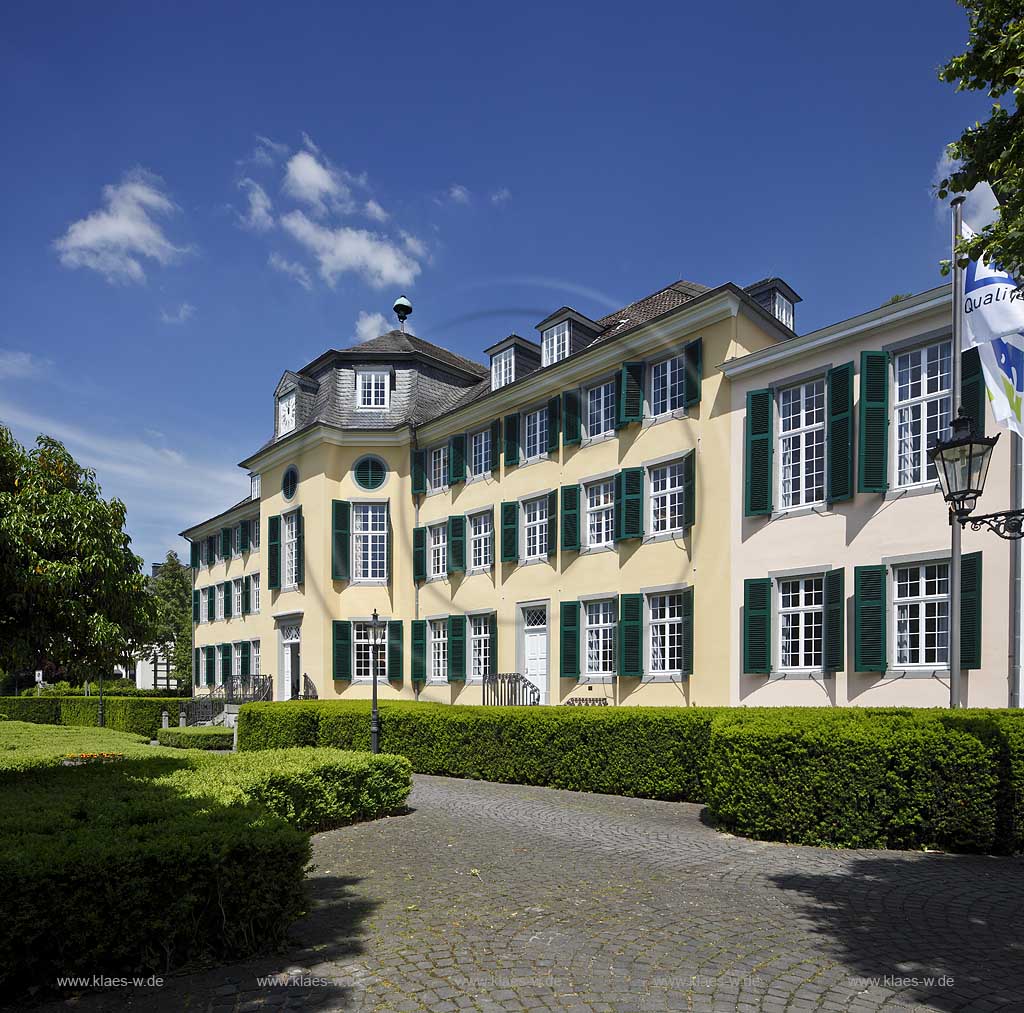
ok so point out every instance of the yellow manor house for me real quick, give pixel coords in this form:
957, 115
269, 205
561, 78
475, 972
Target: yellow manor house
682, 502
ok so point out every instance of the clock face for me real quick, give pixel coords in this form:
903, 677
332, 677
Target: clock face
286, 414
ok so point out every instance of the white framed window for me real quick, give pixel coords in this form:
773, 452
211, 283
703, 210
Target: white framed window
254, 533
668, 385
600, 627
922, 409
362, 645
254, 657
204, 549
370, 541
503, 368
535, 528
802, 444
783, 309
479, 646
222, 656
555, 343
536, 428
285, 413
218, 604
373, 389
204, 605
921, 614
291, 549
481, 529
801, 622
667, 507
254, 487
438, 650
236, 658
236, 539
204, 666
665, 626
480, 454
600, 529
438, 534
236, 596
438, 468
254, 592
601, 409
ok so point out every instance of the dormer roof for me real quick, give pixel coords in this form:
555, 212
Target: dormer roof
568, 313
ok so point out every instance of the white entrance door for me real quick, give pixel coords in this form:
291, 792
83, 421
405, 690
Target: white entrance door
535, 649
288, 683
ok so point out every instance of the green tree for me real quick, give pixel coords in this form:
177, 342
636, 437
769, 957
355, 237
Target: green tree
992, 151
172, 592
73, 593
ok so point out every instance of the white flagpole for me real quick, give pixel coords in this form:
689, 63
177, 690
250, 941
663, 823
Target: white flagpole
954, 524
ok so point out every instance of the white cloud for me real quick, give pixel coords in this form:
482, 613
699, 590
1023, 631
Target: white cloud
113, 239
317, 184
376, 259
259, 217
375, 211
501, 195
414, 245
179, 316
370, 325
981, 205
458, 194
266, 152
309, 142
292, 269
15, 365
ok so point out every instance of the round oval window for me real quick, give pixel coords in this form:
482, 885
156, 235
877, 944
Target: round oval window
290, 483
370, 472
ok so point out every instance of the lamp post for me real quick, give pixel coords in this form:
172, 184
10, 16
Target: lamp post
377, 627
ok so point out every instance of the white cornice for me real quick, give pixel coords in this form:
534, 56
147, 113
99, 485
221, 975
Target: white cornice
285, 450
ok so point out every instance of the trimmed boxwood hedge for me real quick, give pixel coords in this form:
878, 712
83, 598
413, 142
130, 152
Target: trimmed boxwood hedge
203, 737
852, 777
139, 715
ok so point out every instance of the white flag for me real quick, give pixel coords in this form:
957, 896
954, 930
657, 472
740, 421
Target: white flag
993, 305
1002, 362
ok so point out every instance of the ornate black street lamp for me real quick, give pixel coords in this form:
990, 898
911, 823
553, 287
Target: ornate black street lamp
377, 628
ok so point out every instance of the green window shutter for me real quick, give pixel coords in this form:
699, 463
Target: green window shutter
194, 549
631, 393
873, 450
419, 553
227, 599
395, 660
687, 631
419, 650
510, 532
571, 429
972, 392
495, 446
456, 648
195, 667
970, 610
629, 504
300, 549
225, 543
835, 621
569, 641
243, 540
246, 661
757, 625
693, 361
225, 662
195, 606
839, 437
511, 440
552, 523
418, 468
211, 665
631, 635
341, 636
689, 489
246, 595
571, 517
211, 550
760, 437
554, 423
457, 459
457, 544
211, 603
274, 552
492, 657
869, 623
341, 539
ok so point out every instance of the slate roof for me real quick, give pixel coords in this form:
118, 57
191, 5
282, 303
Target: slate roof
231, 509
654, 305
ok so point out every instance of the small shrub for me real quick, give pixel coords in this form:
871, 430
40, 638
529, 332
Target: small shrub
212, 737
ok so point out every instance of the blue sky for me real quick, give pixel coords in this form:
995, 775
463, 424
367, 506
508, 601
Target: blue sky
199, 196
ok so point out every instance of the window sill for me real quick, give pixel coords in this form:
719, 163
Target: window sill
804, 510
663, 677
596, 680
438, 682
526, 462
921, 489
482, 477
813, 674
654, 420
534, 561
476, 571
665, 536
592, 550
439, 578
369, 582
590, 441
372, 408
917, 673
437, 492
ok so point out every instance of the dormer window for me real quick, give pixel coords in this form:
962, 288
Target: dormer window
373, 389
555, 343
285, 413
783, 309
503, 368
